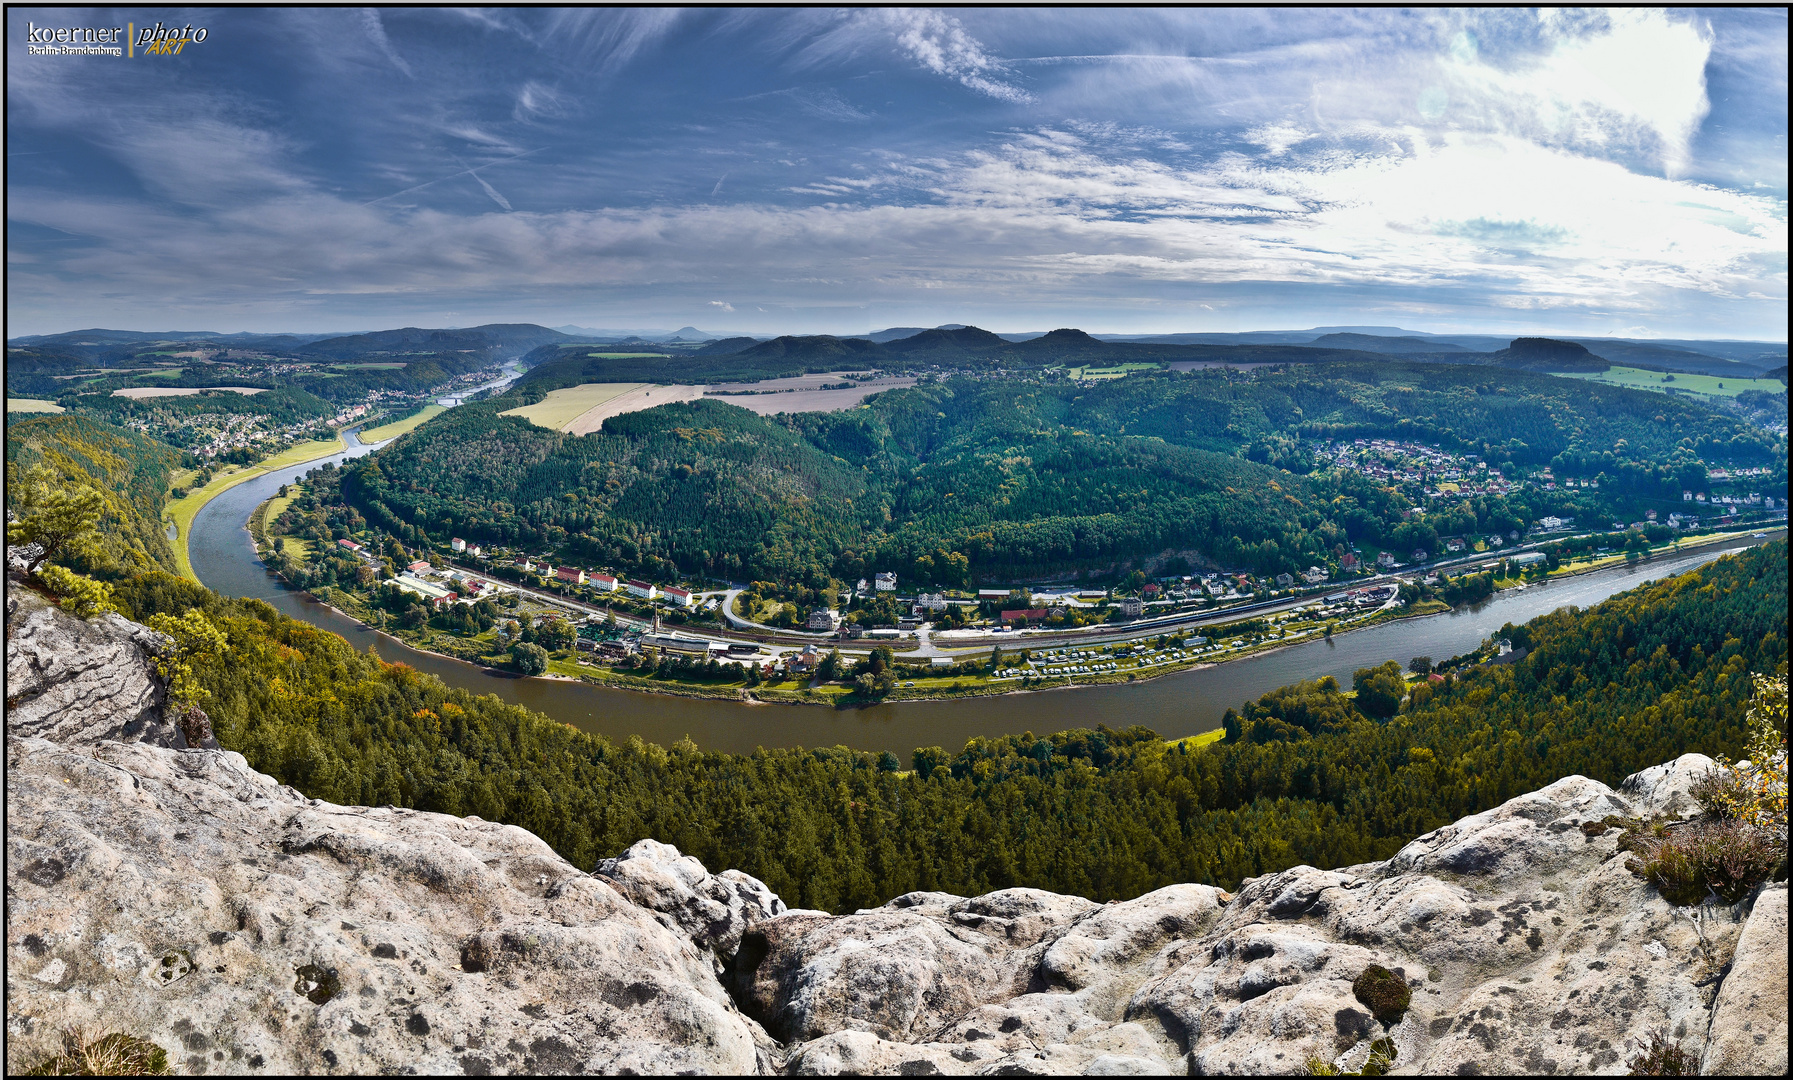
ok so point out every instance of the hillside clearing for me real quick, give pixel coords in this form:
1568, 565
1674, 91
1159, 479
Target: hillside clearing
140, 392
27, 405
1664, 382
561, 407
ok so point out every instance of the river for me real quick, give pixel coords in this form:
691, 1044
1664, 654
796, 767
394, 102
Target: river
1186, 703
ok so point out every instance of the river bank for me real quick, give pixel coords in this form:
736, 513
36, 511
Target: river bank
182, 512
1177, 704
915, 685
918, 685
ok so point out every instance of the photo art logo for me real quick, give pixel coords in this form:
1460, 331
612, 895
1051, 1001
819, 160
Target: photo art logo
158, 40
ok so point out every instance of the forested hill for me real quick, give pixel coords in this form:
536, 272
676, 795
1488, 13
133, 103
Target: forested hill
1308, 778
963, 349
492, 341
129, 470
1000, 478
699, 483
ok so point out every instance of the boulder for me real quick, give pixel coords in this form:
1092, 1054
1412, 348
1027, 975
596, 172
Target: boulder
1666, 790
713, 910
184, 898
1748, 1036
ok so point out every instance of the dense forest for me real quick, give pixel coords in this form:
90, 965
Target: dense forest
129, 471
1308, 774
1010, 477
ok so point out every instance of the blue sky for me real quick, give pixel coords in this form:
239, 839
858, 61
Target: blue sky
810, 170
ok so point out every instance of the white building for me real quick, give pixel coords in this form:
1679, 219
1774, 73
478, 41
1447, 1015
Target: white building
643, 589
601, 582
435, 594
886, 582
681, 597
457, 545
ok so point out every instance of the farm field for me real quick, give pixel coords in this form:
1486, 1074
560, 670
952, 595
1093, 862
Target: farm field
181, 391
564, 406
1707, 385
792, 401
641, 396
29, 405
400, 427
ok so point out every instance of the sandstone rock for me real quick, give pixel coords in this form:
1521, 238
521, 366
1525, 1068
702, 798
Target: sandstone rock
1666, 790
76, 681
713, 910
182, 897
1749, 1020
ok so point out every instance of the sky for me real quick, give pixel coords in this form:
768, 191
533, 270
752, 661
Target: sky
809, 170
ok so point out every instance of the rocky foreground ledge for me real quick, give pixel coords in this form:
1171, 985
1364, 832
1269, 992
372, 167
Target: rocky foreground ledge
179, 896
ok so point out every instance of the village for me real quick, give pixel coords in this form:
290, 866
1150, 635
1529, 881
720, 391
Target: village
244, 436
1423, 472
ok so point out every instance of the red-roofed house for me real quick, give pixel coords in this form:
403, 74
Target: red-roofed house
419, 567
601, 582
570, 575
348, 545
681, 597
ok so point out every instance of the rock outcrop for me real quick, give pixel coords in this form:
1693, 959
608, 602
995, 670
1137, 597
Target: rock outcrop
179, 896
75, 681
713, 910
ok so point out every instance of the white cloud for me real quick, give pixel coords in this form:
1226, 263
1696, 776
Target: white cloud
935, 40
376, 32
723, 305
1634, 76
939, 43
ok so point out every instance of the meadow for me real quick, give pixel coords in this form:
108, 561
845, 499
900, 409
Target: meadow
29, 405
1705, 385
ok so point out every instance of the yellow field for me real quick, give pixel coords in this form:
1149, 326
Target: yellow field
182, 511
1206, 738
394, 430
1707, 385
561, 407
25, 404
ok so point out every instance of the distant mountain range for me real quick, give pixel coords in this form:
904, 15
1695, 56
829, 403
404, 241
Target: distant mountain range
948, 345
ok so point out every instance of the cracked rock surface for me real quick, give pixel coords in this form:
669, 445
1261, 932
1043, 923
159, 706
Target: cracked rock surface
75, 681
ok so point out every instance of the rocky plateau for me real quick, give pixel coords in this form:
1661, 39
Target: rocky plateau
177, 895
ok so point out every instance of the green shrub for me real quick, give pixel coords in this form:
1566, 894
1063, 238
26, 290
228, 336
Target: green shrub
1382, 992
1685, 863
81, 597
529, 658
